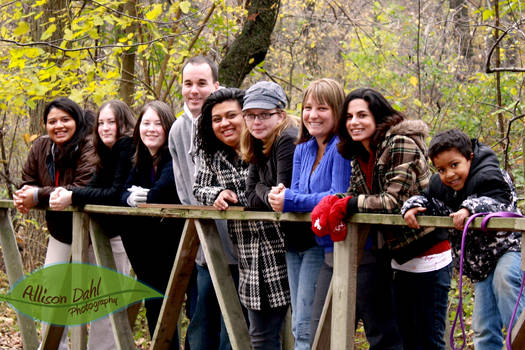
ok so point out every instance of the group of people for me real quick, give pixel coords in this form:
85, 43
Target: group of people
231, 147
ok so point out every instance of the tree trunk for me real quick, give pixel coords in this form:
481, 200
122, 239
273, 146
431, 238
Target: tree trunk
127, 82
461, 26
56, 9
250, 47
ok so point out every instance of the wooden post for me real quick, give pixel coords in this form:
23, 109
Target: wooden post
518, 331
344, 290
347, 255
287, 338
223, 285
177, 285
322, 335
79, 253
104, 257
15, 271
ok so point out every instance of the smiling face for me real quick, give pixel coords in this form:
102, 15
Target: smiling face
197, 85
360, 122
318, 118
453, 168
263, 129
107, 127
227, 122
60, 126
151, 132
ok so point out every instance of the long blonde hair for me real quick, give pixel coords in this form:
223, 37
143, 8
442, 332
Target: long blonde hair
254, 150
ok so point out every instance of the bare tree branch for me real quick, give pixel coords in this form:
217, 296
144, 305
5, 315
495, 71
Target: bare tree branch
48, 44
123, 14
488, 68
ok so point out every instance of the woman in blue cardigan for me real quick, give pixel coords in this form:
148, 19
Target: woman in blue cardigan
318, 170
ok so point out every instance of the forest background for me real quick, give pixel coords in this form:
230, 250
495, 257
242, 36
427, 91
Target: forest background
451, 63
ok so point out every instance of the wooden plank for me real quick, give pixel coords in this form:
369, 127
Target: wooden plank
518, 330
322, 335
287, 338
518, 333
79, 253
344, 286
190, 207
177, 285
51, 337
104, 257
15, 271
499, 224
223, 285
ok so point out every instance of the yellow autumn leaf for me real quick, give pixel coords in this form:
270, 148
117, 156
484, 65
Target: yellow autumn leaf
413, 81
185, 6
155, 12
22, 28
49, 31
30, 138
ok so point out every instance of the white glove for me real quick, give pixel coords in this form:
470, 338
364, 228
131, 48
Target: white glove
137, 195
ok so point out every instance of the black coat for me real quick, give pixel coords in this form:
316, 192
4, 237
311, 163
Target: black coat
271, 171
108, 183
151, 243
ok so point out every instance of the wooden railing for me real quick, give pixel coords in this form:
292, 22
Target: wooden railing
336, 327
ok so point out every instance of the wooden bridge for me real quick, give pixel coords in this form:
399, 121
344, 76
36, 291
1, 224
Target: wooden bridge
336, 327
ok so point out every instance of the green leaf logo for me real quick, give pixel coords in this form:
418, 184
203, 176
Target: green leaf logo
74, 293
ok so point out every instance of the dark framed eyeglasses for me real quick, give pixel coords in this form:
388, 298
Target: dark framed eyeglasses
261, 116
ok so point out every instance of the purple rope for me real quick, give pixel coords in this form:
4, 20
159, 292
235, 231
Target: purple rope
504, 214
459, 310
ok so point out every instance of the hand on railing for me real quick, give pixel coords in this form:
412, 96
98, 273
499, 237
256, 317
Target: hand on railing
320, 215
410, 216
336, 219
221, 203
459, 218
24, 198
60, 198
138, 195
276, 197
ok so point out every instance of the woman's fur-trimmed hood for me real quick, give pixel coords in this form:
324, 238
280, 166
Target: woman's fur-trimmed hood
415, 129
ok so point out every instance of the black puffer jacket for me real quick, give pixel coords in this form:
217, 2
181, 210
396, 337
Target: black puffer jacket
487, 189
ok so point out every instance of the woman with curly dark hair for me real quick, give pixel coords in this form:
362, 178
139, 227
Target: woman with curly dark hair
221, 182
389, 165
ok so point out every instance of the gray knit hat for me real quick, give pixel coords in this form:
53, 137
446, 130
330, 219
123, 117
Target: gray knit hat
264, 95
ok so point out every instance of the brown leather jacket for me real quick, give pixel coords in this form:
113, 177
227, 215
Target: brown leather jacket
40, 170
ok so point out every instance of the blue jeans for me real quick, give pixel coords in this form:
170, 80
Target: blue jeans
207, 330
495, 298
303, 271
265, 328
374, 302
421, 301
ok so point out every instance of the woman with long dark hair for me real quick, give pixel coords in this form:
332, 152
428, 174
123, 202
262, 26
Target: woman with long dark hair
62, 158
151, 243
389, 165
114, 147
